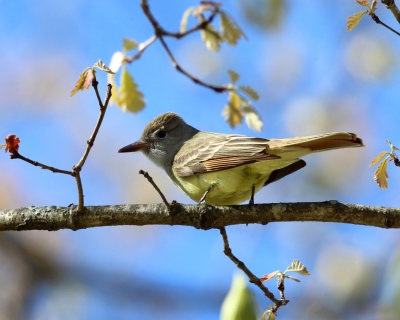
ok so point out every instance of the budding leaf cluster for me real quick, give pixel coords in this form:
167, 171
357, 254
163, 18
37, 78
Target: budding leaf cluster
381, 175
81, 83
238, 107
296, 266
11, 143
126, 93
229, 31
353, 20
85, 79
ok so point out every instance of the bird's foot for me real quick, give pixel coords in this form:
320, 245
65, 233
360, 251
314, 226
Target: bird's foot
203, 198
251, 201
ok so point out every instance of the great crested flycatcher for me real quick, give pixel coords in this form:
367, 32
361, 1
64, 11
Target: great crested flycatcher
226, 169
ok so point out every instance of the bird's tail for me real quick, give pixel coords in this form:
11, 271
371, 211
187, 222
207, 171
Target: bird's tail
317, 143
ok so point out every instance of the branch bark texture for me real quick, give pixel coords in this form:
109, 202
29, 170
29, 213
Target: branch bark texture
54, 218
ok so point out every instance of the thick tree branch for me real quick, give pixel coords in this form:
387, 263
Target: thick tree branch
199, 216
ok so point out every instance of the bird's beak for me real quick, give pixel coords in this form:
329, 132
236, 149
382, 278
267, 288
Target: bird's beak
133, 147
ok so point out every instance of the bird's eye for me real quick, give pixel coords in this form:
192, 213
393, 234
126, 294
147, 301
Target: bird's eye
161, 133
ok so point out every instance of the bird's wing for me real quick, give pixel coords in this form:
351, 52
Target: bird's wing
209, 152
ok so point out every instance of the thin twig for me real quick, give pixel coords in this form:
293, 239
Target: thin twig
200, 26
16, 155
178, 35
150, 179
160, 33
281, 288
250, 275
78, 167
95, 85
146, 10
103, 108
391, 5
378, 21
183, 71
142, 48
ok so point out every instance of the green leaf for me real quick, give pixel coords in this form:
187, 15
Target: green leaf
239, 303
130, 98
211, 38
231, 31
268, 315
298, 267
232, 112
253, 120
2, 145
129, 44
185, 17
243, 102
265, 14
381, 174
353, 21
233, 76
378, 158
250, 92
81, 82
101, 66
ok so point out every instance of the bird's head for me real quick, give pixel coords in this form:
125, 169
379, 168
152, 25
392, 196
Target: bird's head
162, 138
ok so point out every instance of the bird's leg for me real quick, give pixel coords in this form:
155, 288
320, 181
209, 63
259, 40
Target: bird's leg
203, 198
251, 201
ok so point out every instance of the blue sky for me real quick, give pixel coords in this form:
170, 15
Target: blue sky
312, 75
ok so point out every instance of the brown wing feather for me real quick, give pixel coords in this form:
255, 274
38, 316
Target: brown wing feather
210, 152
217, 164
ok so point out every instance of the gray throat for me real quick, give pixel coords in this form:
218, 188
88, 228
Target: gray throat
163, 153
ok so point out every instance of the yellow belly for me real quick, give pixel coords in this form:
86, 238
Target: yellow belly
230, 186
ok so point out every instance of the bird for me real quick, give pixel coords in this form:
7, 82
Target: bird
227, 169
